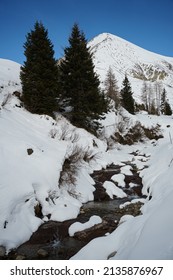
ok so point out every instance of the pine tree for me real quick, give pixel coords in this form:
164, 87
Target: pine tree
165, 106
39, 74
80, 84
127, 98
168, 110
111, 87
163, 100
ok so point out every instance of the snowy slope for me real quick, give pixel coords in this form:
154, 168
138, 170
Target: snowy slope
32, 153
137, 63
9, 71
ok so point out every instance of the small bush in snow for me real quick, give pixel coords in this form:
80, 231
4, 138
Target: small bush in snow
153, 132
88, 155
73, 162
69, 135
53, 133
137, 133
6, 99
71, 166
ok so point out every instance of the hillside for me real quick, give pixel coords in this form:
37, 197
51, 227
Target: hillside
137, 63
35, 151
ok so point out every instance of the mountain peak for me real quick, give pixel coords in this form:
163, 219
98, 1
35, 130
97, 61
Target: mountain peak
126, 58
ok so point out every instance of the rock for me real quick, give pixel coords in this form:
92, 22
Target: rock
46, 233
100, 193
38, 211
111, 255
2, 251
30, 151
42, 253
20, 257
96, 231
137, 190
17, 94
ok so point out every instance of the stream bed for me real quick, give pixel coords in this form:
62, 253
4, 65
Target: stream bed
52, 241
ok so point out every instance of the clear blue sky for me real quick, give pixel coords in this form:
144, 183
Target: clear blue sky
146, 23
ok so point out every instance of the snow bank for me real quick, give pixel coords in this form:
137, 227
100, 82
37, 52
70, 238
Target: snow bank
112, 190
94, 220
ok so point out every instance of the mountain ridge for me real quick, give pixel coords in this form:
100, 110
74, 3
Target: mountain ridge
126, 58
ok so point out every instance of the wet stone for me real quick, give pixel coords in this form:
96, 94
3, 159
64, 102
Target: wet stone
2, 251
42, 253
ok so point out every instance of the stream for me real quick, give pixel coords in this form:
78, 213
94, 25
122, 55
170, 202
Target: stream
51, 240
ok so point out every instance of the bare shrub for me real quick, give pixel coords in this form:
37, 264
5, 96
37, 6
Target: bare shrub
111, 142
123, 123
89, 155
65, 131
74, 137
6, 99
68, 134
153, 132
73, 162
71, 165
135, 134
53, 133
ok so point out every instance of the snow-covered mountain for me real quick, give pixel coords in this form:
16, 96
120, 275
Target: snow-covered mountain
128, 59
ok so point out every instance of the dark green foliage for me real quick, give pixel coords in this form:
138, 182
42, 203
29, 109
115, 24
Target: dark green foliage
168, 110
127, 98
39, 74
80, 84
165, 106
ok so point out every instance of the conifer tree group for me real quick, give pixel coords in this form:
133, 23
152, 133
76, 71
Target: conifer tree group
72, 86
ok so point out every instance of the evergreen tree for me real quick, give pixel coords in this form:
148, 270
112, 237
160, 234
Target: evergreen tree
80, 84
127, 98
163, 100
165, 106
39, 74
111, 87
168, 110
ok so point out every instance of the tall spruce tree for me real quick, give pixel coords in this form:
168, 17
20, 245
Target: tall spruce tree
80, 84
39, 74
127, 98
165, 106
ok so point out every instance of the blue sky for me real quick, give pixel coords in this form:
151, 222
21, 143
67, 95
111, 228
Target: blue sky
146, 23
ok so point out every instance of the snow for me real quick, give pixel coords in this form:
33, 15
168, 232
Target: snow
28, 180
124, 58
126, 170
94, 220
112, 190
119, 178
